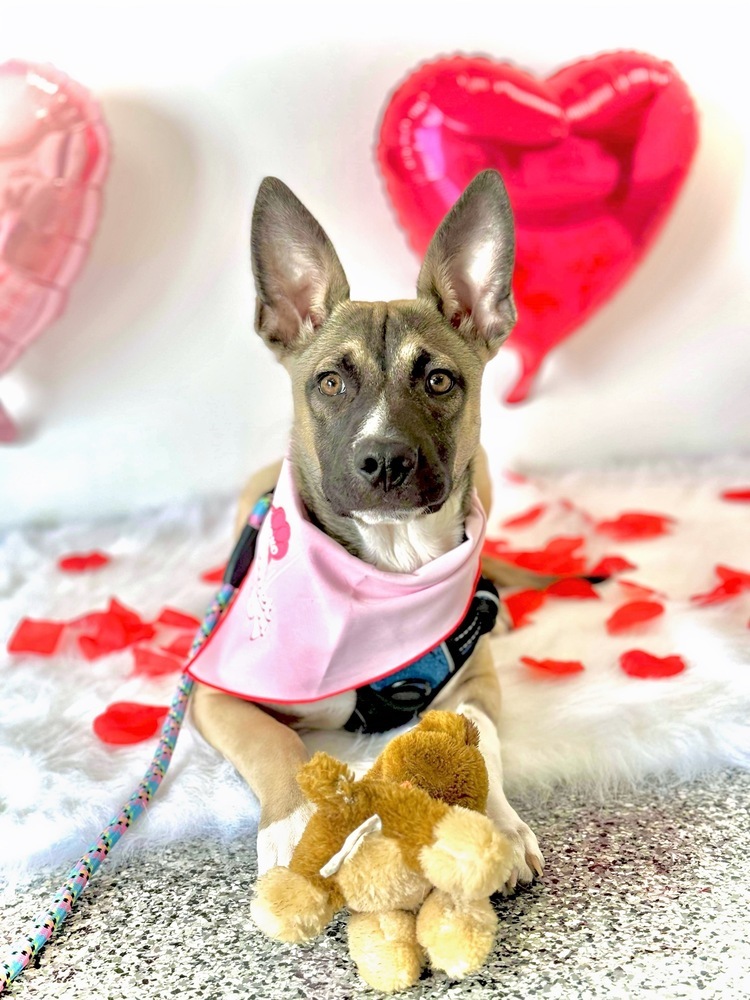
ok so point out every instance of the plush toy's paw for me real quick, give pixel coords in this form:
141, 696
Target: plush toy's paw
457, 934
277, 840
469, 856
288, 907
527, 858
385, 949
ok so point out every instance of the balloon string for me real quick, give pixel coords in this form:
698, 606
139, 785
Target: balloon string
50, 920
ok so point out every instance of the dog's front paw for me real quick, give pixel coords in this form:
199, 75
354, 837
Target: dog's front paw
527, 860
278, 838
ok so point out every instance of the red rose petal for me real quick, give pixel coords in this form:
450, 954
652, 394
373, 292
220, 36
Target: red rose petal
103, 632
610, 565
573, 586
560, 667
135, 628
129, 722
154, 664
737, 496
99, 634
556, 558
637, 663
36, 635
521, 604
213, 575
80, 562
727, 574
733, 582
178, 619
528, 517
180, 646
515, 477
720, 593
634, 525
633, 613
638, 591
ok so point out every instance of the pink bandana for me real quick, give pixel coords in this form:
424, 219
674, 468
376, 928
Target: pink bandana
311, 620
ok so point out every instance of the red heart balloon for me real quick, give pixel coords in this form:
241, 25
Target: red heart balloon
593, 158
54, 154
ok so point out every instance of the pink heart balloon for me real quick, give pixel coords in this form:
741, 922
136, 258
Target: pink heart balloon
593, 158
54, 155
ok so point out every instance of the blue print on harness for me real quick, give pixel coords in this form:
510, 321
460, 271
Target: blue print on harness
401, 696
433, 668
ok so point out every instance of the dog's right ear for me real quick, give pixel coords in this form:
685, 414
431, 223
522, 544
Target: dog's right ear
298, 277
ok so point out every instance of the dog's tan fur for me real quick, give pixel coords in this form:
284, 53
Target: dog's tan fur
305, 316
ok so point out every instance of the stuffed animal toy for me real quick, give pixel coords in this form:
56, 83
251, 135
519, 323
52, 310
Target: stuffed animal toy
406, 848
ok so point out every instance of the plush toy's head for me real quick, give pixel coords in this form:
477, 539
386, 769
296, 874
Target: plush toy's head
341, 829
441, 756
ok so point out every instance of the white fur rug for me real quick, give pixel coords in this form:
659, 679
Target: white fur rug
600, 728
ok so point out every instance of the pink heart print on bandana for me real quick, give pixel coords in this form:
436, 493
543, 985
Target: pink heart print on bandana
259, 605
280, 532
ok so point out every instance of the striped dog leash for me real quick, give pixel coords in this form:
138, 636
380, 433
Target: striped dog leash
28, 947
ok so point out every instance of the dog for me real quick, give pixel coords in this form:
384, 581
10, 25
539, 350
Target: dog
385, 459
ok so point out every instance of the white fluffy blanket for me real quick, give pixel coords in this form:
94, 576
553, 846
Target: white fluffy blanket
59, 784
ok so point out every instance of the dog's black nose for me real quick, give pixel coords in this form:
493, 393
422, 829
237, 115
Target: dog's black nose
385, 464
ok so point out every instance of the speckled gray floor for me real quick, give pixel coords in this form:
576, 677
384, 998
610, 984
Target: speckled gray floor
646, 896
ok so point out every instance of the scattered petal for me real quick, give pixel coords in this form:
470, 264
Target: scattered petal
154, 664
559, 667
737, 496
633, 613
610, 565
733, 582
637, 663
720, 593
180, 646
638, 591
727, 574
103, 632
573, 586
80, 562
556, 558
634, 525
521, 604
36, 635
515, 477
528, 517
178, 619
99, 634
129, 722
213, 575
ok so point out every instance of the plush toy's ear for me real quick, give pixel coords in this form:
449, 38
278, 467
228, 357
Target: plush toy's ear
298, 277
324, 778
452, 724
468, 266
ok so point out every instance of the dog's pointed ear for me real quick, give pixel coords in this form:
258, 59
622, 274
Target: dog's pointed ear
298, 277
468, 266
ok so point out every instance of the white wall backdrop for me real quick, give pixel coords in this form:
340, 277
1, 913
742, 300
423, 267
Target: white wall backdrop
153, 386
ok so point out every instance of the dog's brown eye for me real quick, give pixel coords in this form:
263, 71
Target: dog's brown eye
440, 382
331, 384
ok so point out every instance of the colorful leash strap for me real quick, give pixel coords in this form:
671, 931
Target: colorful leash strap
30, 945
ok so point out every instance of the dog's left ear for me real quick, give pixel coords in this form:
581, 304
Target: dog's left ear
468, 266
298, 277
